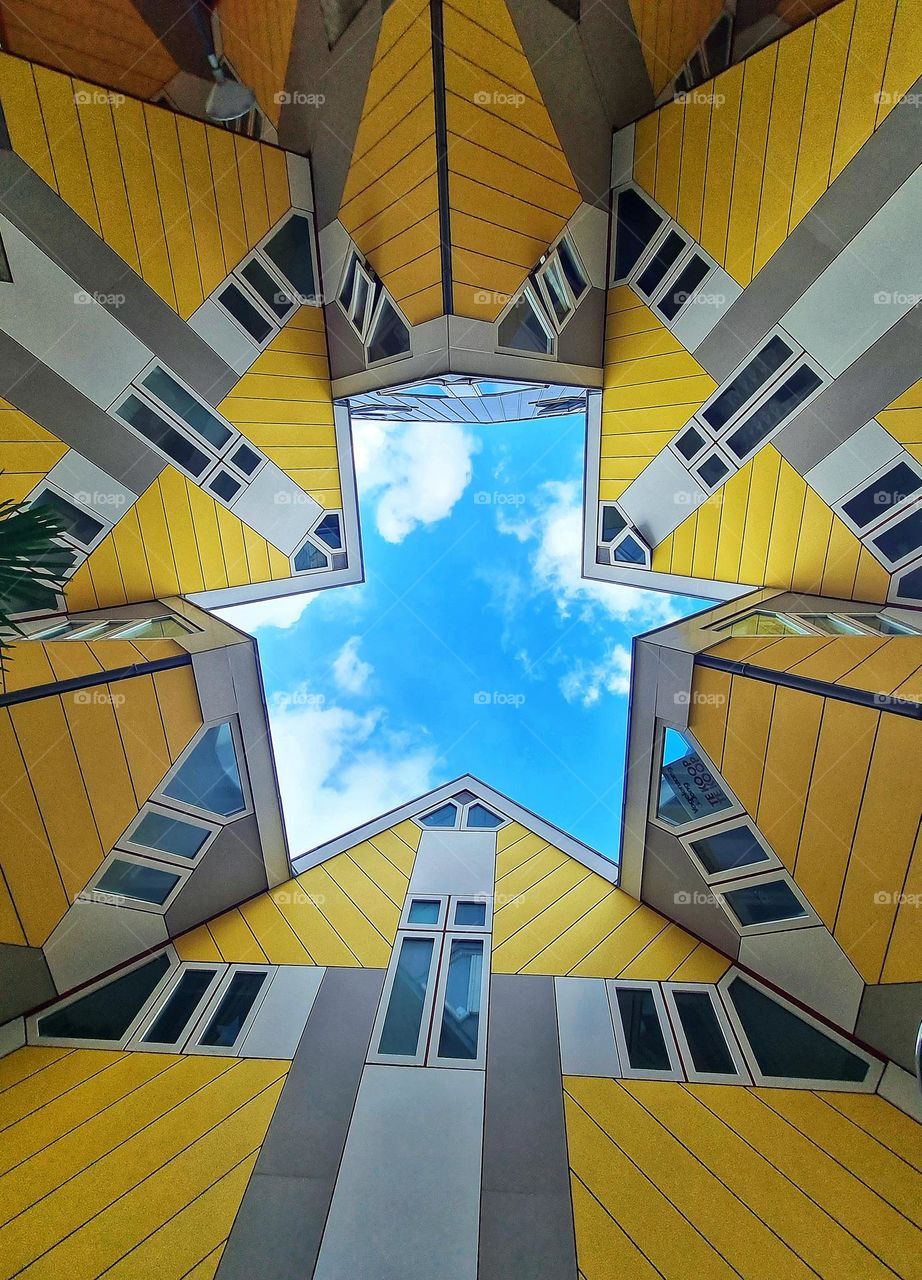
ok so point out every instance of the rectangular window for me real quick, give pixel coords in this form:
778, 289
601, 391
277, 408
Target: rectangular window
663, 258
267, 289
764, 901
180, 1007
226, 1025
706, 1041
137, 413
790, 396
75, 523
684, 287
163, 833
246, 459
747, 382
645, 1042
690, 444
636, 224
901, 540
460, 1003
252, 321
197, 416
162, 628
729, 849
425, 911
137, 880
224, 485
878, 499
403, 1026
762, 623
470, 913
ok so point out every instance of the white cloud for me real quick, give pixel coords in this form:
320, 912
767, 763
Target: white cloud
416, 471
338, 769
350, 672
586, 682
282, 612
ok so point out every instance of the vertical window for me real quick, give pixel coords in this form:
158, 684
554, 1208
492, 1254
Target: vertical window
403, 1022
137, 413
225, 1026
645, 1042
208, 778
179, 1008
291, 250
663, 258
706, 1040
459, 1035
636, 223
251, 320
688, 791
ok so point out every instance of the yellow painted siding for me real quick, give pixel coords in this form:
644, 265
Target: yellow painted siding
903, 419
673, 1180
668, 31
765, 139
766, 527
344, 912
77, 768
27, 453
257, 42
390, 200
126, 1163
510, 187
108, 42
554, 916
817, 776
652, 386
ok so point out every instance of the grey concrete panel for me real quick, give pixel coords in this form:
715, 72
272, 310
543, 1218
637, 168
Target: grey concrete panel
875, 380
674, 885
94, 937
616, 58
706, 309
525, 1166
811, 966
49, 222
587, 1037
462, 862
215, 327
347, 355
277, 508
271, 1235
230, 870
582, 338
661, 497
889, 1020
280, 1022
881, 166
588, 229
407, 1199
25, 980
96, 489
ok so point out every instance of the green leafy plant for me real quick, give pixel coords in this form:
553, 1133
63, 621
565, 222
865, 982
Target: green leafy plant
34, 565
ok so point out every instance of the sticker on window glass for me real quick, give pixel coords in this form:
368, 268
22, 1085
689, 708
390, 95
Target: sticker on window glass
688, 791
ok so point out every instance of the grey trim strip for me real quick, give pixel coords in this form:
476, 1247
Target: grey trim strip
822, 688
96, 678
441, 150
281, 1220
526, 1217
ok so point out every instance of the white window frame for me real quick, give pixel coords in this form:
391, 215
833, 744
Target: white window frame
630, 532
193, 1042
544, 320
333, 511
274, 327
377, 307
284, 287
896, 596
628, 1072
308, 216
503, 821
131, 391
911, 556
741, 1075
734, 873
175, 420
168, 802
868, 1085
156, 855
601, 515
469, 1064
802, 361
321, 547
438, 926
892, 513
34, 1036
707, 436
807, 921
552, 262
153, 1010
672, 279
417, 1058
348, 307
794, 620
85, 548
418, 817
658, 208
93, 894
714, 451
688, 247
783, 369
703, 824
486, 900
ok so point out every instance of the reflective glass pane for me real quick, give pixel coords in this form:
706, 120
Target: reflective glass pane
637, 224
704, 1033
225, 486
901, 538
764, 903
158, 431
473, 913
747, 382
330, 532
245, 459
310, 557
230, 1015
169, 835
265, 286
72, 519
572, 269
685, 287
479, 815
556, 290
179, 1008
726, 850
141, 880
780, 405
688, 790
763, 624
156, 628
646, 1047
870, 504
184, 405
424, 911
290, 250
613, 522
106, 1014
461, 1014
629, 551
391, 337
243, 311
442, 817
659, 264
209, 778
713, 470
784, 1045
400, 1033
522, 330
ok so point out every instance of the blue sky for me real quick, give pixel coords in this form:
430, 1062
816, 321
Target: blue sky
472, 646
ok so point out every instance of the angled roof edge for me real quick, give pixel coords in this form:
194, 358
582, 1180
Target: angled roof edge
495, 799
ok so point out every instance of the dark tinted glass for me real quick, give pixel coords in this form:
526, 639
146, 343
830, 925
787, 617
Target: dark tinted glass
209, 778
716, 45
185, 406
792, 392
225, 486
689, 443
877, 499
684, 288
704, 1034
629, 551
169, 835
728, 849
310, 557
175, 1014
329, 531
444, 816
245, 313
900, 539
72, 520
141, 880
765, 903
646, 1047
460, 1031
391, 336
521, 329
713, 470
155, 429
106, 1014
659, 264
479, 815
245, 459
6, 276
290, 250
400, 1033
259, 280
911, 585
785, 1045
230, 1015
571, 269
474, 913
612, 523
747, 382
637, 224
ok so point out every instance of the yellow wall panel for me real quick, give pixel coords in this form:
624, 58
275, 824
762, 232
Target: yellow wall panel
668, 31
257, 44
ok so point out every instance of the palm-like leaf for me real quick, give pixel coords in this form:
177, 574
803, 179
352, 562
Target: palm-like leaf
34, 565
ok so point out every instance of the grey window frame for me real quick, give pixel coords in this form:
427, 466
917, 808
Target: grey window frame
452, 925
477, 1063
528, 288
192, 1043
694, 825
378, 304
734, 873
417, 1058
156, 855
742, 1075
551, 262
628, 1072
438, 926
168, 802
93, 894
809, 920
894, 513
154, 1009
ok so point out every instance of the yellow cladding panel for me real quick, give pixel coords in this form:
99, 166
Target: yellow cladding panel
127, 1163
500, 139
669, 31
109, 43
816, 775
344, 912
729, 1181
257, 44
651, 387
78, 766
390, 200
765, 527
903, 419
